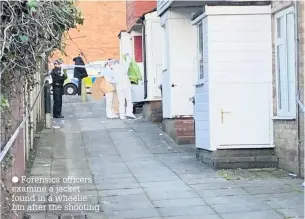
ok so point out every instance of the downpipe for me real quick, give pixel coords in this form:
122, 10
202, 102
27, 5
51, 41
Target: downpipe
193, 100
144, 55
299, 142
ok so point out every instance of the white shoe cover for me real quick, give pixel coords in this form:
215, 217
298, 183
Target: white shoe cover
131, 116
113, 116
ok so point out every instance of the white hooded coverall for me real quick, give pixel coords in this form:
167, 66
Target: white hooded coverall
108, 74
123, 88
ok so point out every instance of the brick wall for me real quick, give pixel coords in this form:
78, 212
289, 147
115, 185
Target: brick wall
97, 38
135, 9
285, 132
153, 111
182, 131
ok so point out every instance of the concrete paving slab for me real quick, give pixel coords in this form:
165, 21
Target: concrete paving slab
292, 211
215, 185
294, 201
122, 183
158, 195
278, 196
186, 211
240, 207
172, 184
179, 203
269, 190
134, 213
195, 217
229, 199
252, 215
221, 192
156, 176
203, 178
121, 192
110, 175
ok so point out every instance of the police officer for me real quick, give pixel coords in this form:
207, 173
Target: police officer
58, 78
79, 72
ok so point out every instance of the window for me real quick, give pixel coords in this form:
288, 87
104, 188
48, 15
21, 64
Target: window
200, 52
285, 63
138, 49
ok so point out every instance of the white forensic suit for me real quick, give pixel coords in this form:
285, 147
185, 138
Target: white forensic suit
123, 88
108, 74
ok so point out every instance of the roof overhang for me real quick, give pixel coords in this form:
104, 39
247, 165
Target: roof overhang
120, 33
229, 3
142, 18
139, 21
136, 27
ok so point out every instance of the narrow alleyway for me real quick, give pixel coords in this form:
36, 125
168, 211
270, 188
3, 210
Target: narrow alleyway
138, 172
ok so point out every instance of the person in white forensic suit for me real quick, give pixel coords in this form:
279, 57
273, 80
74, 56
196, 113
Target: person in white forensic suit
123, 88
109, 75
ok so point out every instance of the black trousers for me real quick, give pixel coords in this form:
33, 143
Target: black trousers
57, 99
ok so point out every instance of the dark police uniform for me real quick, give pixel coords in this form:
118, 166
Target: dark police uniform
79, 72
58, 91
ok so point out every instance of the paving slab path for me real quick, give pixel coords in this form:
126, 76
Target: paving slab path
137, 171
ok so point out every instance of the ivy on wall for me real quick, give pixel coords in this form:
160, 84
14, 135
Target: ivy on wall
30, 31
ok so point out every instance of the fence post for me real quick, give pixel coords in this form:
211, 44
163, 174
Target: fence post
84, 90
47, 104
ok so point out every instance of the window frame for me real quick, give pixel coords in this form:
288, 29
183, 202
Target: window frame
285, 109
199, 78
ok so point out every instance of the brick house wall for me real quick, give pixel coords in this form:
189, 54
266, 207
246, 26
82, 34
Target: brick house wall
97, 38
286, 131
135, 9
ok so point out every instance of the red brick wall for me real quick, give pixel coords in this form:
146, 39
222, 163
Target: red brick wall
98, 37
182, 131
135, 9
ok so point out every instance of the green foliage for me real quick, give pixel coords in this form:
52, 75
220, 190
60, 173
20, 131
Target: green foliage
23, 38
32, 3
33, 30
3, 102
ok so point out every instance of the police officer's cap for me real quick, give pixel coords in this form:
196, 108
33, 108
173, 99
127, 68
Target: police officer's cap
57, 62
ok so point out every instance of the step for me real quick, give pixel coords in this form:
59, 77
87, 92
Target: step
245, 162
180, 140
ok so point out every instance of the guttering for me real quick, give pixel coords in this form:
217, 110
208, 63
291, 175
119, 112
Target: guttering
237, 3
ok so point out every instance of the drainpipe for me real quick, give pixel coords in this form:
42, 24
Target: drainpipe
144, 56
296, 6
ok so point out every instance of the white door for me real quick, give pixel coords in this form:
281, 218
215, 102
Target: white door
245, 114
182, 66
156, 32
166, 77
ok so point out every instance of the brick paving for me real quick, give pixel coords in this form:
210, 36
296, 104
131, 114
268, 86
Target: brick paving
139, 172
